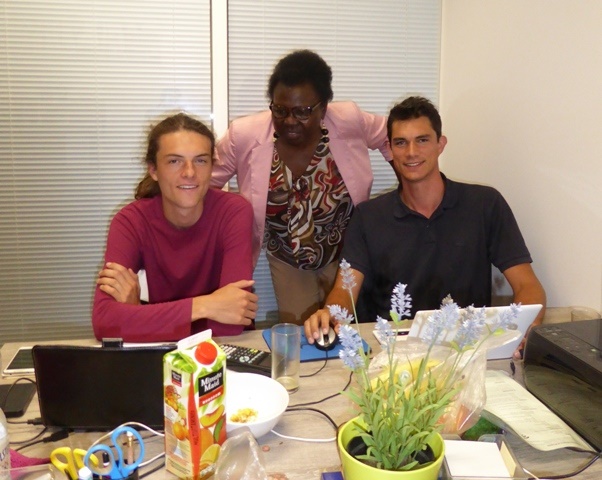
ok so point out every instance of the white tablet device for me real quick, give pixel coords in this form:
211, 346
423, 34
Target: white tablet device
21, 363
523, 322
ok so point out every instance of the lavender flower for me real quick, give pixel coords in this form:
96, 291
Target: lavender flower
349, 338
340, 314
442, 320
386, 333
351, 359
352, 345
470, 329
401, 303
505, 320
348, 278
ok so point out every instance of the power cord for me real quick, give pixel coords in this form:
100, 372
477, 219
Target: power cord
320, 369
150, 472
139, 425
328, 417
592, 460
31, 421
310, 440
53, 437
56, 436
316, 372
325, 398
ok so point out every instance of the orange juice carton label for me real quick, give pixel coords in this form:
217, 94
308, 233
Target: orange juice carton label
194, 393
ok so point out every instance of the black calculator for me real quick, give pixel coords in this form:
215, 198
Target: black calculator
248, 360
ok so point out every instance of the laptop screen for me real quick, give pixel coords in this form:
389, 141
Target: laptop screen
99, 388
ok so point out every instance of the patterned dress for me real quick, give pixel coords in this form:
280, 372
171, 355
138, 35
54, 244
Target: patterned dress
306, 217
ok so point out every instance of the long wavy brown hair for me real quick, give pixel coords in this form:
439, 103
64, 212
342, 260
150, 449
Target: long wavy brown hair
148, 187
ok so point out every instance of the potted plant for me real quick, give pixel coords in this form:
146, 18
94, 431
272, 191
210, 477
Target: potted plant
412, 390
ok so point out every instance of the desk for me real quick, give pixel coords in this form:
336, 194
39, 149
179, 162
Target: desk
302, 460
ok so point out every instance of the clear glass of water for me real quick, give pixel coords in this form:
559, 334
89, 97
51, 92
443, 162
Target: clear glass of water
286, 352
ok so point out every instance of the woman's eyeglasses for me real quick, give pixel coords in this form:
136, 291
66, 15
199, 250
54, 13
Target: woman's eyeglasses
300, 113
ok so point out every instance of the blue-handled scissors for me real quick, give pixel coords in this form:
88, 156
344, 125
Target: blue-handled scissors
122, 466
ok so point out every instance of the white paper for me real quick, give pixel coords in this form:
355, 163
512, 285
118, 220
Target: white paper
524, 414
474, 459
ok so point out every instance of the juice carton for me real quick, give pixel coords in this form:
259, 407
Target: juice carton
195, 397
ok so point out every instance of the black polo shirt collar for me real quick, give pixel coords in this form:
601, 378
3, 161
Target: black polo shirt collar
450, 199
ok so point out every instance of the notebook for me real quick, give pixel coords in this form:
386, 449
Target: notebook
99, 388
523, 321
310, 352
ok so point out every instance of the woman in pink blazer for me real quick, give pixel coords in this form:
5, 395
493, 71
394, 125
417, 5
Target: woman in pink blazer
303, 165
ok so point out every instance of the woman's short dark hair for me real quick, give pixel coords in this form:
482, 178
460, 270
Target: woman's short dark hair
299, 67
414, 107
148, 187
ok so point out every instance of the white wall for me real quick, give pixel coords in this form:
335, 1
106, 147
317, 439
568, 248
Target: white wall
521, 102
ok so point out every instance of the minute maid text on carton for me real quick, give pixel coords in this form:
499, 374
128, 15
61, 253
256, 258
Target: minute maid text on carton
195, 397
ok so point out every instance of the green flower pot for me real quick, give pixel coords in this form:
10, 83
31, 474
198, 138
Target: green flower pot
355, 470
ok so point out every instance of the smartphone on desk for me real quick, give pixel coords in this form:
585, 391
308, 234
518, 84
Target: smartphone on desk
21, 363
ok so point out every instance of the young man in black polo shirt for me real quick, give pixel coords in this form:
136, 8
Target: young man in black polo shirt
437, 236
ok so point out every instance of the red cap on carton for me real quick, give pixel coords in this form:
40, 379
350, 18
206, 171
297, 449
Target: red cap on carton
205, 353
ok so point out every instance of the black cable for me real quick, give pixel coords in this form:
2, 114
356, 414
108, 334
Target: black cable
326, 398
583, 450
54, 437
332, 422
572, 474
31, 421
320, 369
10, 389
348, 381
316, 372
21, 442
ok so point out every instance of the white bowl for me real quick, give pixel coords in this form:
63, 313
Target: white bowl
264, 395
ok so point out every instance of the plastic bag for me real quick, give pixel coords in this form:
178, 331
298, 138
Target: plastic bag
469, 375
240, 458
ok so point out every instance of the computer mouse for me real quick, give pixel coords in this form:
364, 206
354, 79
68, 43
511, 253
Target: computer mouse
327, 341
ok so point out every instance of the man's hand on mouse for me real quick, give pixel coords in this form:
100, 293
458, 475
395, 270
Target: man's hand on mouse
319, 324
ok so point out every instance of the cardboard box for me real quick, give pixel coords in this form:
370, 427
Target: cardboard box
194, 391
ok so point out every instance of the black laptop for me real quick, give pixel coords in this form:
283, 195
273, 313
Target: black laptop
99, 388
